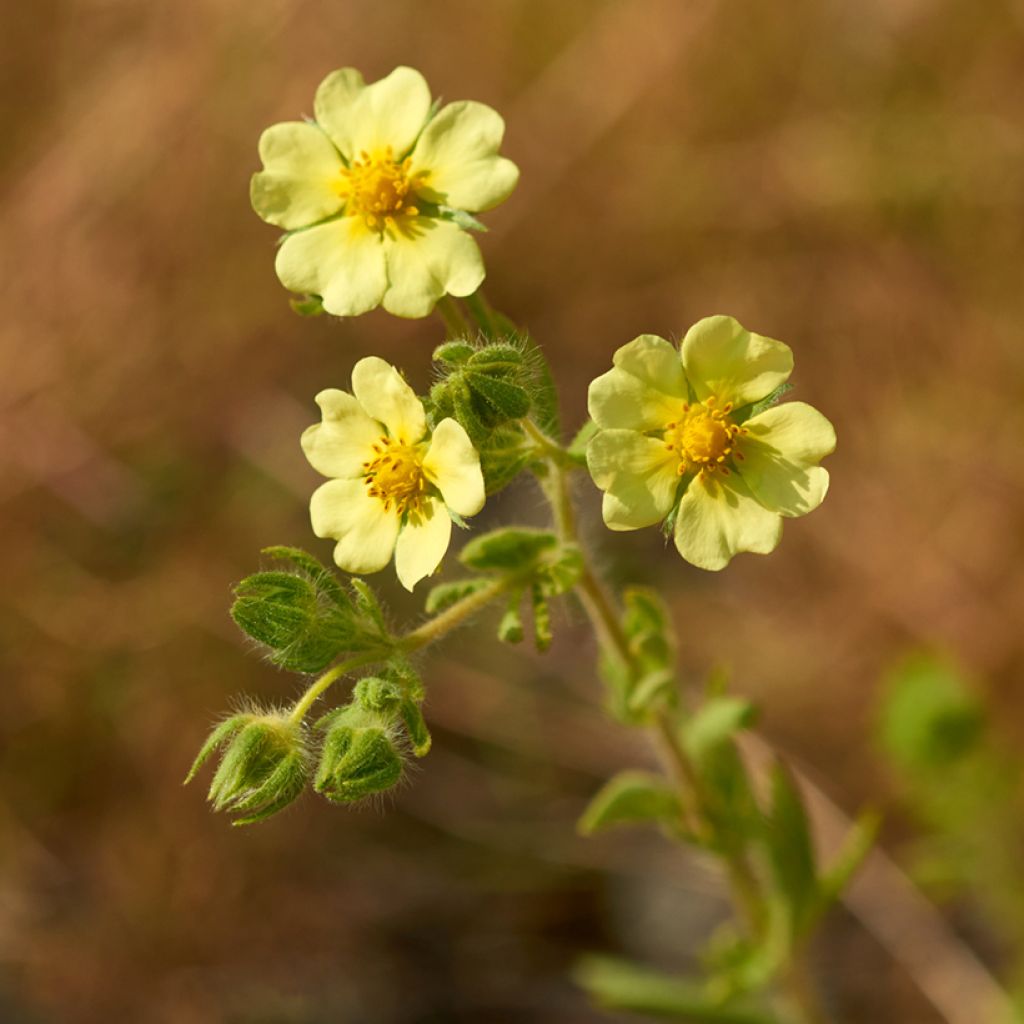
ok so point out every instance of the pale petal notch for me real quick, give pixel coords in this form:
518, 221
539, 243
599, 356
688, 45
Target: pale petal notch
342, 261
365, 532
390, 112
724, 359
298, 185
453, 464
718, 518
341, 444
385, 396
644, 390
422, 543
457, 158
428, 258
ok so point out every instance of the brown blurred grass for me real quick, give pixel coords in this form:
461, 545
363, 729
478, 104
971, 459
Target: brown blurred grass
846, 177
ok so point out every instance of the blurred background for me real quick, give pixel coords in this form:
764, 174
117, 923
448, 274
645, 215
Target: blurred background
848, 177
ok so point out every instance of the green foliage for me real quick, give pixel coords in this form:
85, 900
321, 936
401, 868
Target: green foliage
929, 717
790, 849
303, 617
632, 798
648, 682
713, 726
531, 561
444, 595
619, 985
263, 768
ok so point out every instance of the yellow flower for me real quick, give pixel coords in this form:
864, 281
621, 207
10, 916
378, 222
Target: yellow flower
374, 192
393, 483
677, 432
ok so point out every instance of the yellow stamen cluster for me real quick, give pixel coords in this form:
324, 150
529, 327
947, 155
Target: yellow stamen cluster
396, 475
704, 437
377, 188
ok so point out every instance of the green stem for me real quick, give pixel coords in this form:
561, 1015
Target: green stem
744, 884
332, 675
454, 323
431, 630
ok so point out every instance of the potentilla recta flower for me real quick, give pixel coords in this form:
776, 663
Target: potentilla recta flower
393, 481
677, 436
374, 192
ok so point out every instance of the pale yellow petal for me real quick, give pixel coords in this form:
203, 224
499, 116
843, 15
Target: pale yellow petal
385, 396
365, 531
724, 359
780, 456
342, 261
370, 118
718, 517
453, 465
342, 444
638, 475
456, 158
644, 390
428, 258
422, 543
298, 185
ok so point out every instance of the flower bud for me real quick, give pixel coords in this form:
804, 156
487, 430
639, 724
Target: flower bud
263, 768
358, 758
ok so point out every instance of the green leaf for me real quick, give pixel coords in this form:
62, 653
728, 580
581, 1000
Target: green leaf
648, 628
929, 718
542, 636
444, 595
416, 727
631, 798
619, 985
366, 602
510, 549
791, 848
562, 574
510, 628
714, 724
856, 846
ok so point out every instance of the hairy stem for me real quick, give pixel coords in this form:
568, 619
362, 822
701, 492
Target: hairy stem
431, 630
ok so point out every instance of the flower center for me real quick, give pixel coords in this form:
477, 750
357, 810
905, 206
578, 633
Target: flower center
395, 475
704, 437
376, 188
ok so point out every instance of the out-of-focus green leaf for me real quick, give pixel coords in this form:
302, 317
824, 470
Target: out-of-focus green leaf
619, 985
631, 798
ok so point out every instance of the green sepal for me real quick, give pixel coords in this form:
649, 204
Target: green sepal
307, 305
631, 798
444, 595
220, 735
462, 218
619, 985
453, 352
503, 456
375, 694
356, 762
744, 414
577, 450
